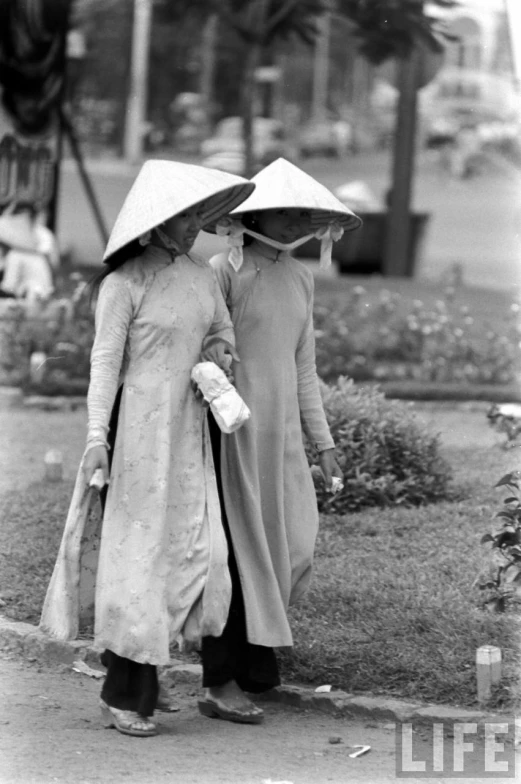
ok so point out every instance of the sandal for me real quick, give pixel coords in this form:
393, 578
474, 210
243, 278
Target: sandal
215, 709
164, 703
127, 722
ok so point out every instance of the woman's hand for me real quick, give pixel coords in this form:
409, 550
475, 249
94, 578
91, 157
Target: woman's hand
96, 457
222, 354
329, 467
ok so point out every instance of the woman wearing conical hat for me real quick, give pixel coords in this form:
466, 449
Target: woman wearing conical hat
268, 493
161, 574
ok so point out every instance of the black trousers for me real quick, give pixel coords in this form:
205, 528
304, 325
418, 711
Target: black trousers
231, 656
128, 685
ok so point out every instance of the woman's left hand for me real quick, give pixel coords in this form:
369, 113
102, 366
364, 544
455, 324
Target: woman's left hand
329, 467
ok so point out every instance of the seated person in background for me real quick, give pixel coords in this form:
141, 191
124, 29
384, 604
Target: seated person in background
45, 238
27, 272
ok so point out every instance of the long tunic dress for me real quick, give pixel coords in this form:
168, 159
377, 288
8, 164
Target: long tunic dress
268, 489
162, 570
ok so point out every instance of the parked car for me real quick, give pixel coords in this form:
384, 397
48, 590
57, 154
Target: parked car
330, 138
225, 148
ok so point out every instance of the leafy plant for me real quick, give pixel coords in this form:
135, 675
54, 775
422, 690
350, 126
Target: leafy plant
503, 583
386, 457
63, 331
506, 419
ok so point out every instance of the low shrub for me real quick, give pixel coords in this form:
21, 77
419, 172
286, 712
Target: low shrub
386, 457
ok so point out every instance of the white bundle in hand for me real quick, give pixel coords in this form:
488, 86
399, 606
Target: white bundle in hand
228, 407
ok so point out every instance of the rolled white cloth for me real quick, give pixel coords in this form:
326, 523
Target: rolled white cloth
228, 407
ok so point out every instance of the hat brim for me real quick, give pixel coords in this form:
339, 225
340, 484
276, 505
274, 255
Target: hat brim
164, 189
282, 185
212, 209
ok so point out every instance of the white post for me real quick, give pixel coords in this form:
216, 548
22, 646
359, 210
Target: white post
321, 69
53, 462
488, 670
137, 99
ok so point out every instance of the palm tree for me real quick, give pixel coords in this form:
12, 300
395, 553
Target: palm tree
259, 23
408, 31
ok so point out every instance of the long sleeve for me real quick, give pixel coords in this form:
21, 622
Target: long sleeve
312, 413
113, 319
221, 269
221, 326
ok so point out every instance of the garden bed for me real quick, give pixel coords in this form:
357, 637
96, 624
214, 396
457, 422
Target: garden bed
418, 340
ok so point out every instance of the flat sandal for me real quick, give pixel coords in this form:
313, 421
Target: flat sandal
127, 722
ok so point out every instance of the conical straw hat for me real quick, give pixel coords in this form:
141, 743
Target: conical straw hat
283, 185
163, 189
17, 232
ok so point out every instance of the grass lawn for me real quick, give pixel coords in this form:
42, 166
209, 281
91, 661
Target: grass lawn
391, 608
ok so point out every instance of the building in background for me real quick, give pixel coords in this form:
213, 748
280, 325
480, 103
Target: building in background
478, 79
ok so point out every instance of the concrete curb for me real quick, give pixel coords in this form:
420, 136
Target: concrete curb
28, 642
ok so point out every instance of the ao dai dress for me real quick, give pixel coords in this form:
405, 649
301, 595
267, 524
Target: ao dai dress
268, 489
162, 572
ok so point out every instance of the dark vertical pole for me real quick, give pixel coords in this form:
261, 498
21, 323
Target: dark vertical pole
52, 213
397, 243
89, 190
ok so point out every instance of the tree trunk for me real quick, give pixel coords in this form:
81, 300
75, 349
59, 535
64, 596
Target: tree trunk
253, 58
321, 69
248, 103
398, 232
208, 51
137, 102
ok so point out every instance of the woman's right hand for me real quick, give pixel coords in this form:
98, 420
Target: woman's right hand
96, 457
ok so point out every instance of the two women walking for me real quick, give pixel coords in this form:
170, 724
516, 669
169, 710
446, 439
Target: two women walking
169, 542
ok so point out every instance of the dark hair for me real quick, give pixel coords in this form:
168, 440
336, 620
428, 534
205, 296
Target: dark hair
249, 220
124, 254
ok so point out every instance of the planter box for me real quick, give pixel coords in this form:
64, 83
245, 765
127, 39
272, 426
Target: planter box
360, 252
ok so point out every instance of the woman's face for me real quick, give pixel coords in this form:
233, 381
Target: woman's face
185, 227
284, 225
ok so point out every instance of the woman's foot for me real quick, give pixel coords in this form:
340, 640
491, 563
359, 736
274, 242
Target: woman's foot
164, 703
127, 722
229, 702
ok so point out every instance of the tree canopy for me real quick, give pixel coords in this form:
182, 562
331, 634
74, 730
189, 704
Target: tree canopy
390, 28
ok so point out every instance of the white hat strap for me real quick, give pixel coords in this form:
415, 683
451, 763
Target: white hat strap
327, 236
235, 230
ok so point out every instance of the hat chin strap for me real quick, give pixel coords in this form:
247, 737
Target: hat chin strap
285, 246
234, 230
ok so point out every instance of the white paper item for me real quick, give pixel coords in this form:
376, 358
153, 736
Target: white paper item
229, 409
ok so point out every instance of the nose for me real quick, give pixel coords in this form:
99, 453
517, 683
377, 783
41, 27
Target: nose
196, 222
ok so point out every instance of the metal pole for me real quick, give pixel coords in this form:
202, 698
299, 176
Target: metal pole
321, 69
89, 190
137, 99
